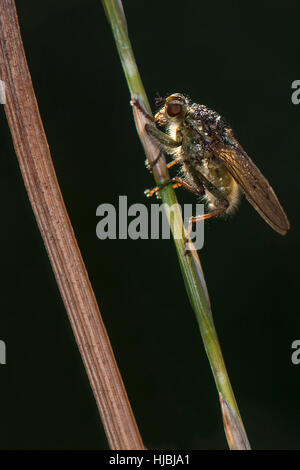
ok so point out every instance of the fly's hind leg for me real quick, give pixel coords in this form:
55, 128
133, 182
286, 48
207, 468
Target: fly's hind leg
223, 206
176, 183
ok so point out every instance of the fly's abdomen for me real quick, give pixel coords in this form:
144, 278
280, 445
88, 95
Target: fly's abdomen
218, 175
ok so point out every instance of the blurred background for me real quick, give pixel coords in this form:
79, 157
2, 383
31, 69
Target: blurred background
238, 60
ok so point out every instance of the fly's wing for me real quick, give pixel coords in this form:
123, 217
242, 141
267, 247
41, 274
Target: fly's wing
257, 189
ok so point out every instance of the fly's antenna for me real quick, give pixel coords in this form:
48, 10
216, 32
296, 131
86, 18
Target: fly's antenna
159, 100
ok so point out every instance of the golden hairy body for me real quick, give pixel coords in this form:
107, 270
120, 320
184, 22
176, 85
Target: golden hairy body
213, 163
197, 159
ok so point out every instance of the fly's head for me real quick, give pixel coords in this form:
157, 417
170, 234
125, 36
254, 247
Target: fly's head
173, 111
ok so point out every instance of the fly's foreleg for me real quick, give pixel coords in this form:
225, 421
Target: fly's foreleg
135, 102
163, 139
164, 142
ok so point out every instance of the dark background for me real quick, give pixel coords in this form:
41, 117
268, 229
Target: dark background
236, 58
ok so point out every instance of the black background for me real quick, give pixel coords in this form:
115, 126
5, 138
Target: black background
239, 59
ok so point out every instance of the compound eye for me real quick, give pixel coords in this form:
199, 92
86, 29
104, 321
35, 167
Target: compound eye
173, 109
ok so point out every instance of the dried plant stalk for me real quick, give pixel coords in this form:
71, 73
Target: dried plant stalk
43, 191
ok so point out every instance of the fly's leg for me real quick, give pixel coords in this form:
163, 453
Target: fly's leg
223, 206
135, 102
176, 183
151, 192
173, 162
149, 165
160, 136
165, 141
152, 130
222, 203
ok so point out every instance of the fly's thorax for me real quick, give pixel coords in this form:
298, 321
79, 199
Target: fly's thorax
192, 147
208, 122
